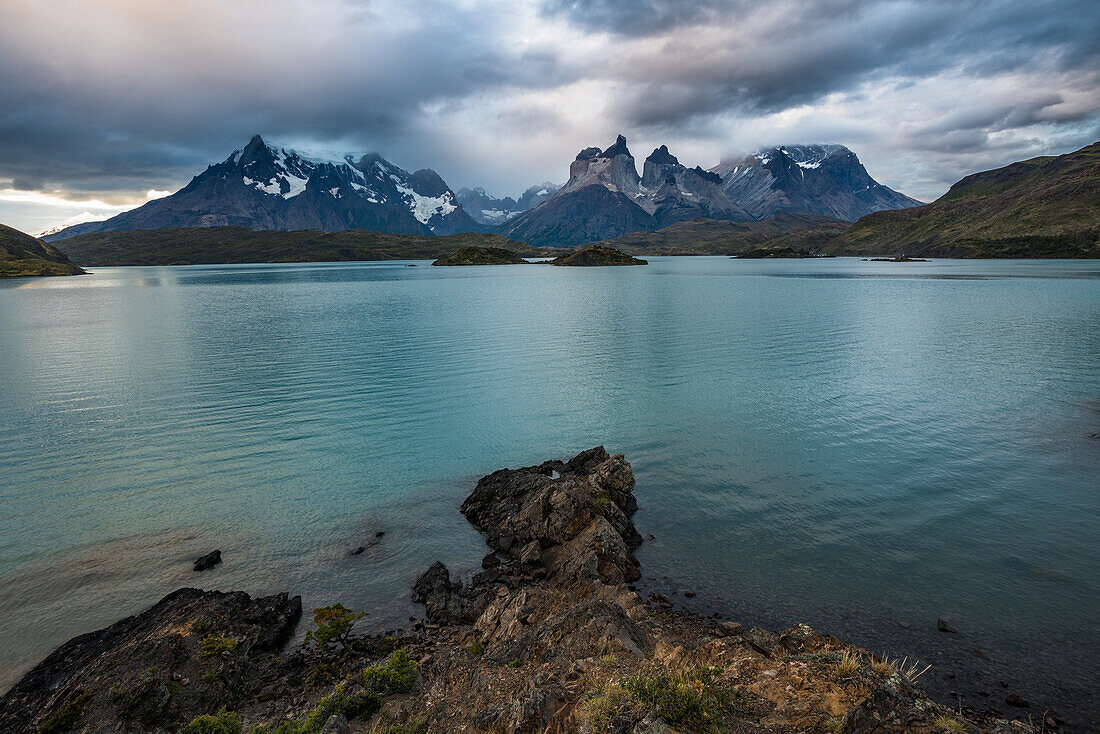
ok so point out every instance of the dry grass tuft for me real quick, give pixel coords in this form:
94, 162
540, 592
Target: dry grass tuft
848, 664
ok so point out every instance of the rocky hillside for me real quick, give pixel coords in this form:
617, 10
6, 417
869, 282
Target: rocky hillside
22, 255
266, 187
606, 198
213, 245
1043, 207
552, 636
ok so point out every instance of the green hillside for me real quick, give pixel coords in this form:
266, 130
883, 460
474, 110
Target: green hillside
1043, 207
214, 245
714, 237
22, 256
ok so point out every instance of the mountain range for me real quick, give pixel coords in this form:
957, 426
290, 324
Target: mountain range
267, 187
606, 198
490, 210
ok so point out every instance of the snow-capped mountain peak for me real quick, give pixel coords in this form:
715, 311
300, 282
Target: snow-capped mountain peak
270, 186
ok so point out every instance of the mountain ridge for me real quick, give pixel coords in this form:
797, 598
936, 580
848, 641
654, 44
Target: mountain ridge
824, 180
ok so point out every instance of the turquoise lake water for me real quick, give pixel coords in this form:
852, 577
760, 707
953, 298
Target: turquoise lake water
852, 444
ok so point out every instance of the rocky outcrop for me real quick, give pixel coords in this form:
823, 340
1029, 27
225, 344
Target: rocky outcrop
141, 669
552, 636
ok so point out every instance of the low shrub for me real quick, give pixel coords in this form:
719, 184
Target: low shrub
216, 645
223, 722
68, 717
688, 699
419, 725
334, 625
396, 675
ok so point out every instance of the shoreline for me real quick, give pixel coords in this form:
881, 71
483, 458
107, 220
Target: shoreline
593, 566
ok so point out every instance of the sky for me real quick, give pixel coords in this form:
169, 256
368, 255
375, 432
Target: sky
105, 104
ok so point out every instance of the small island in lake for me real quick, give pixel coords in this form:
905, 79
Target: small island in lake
898, 259
597, 255
766, 252
481, 256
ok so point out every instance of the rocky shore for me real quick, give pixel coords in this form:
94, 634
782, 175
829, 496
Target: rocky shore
551, 636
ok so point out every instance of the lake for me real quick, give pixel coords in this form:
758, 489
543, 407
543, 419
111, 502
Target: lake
863, 446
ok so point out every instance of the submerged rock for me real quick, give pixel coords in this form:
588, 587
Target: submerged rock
211, 559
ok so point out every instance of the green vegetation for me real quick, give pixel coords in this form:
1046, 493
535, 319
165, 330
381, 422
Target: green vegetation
784, 252
146, 699
334, 625
946, 723
715, 237
66, 718
23, 256
397, 675
223, 722
596, 255
687, 699
481, 256
476, 649
349, 704
210, 245
418, 725
1043, 207
216, 645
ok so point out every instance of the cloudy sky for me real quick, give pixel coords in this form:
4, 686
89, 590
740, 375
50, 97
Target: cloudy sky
106, 103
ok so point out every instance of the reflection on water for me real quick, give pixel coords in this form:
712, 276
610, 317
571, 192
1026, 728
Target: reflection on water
852, 444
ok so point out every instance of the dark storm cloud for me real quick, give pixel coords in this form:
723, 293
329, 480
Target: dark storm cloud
151, 100
766, 57
115, 97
